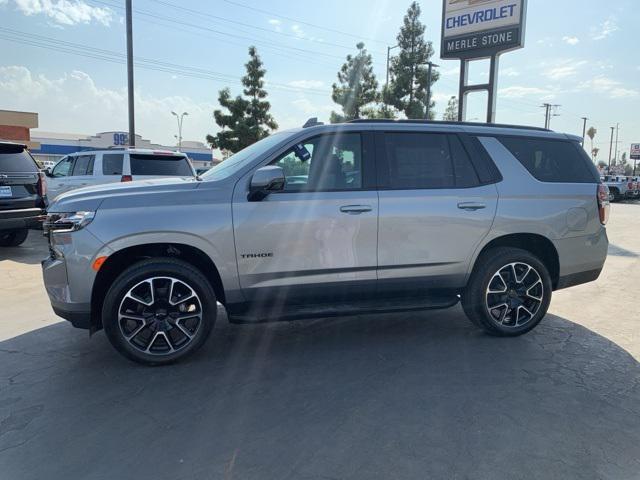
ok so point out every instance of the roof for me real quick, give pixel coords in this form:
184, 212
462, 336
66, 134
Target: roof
443, 122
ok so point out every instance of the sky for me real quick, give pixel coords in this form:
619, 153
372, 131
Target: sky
65, 60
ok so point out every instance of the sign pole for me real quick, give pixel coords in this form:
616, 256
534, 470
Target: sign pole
132, 125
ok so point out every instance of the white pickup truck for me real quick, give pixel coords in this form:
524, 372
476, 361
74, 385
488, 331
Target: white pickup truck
620, 187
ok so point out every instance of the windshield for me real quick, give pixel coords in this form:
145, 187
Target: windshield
238, 160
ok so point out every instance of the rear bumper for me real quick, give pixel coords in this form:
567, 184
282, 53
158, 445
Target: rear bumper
581, 258
21, 218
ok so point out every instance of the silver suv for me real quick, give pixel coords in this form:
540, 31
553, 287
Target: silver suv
367, 216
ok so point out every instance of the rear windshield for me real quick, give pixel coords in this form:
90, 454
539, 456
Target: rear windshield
170, 165
553, 160
15, 159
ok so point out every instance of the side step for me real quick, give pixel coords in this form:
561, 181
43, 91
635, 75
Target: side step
256, 313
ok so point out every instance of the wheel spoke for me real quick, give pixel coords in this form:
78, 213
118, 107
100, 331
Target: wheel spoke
497, 276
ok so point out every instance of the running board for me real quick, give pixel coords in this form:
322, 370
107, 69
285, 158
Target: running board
274, 313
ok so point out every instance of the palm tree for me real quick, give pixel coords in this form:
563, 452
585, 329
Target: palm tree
591, 133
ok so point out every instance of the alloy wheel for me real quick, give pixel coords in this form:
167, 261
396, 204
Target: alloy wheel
160, 315
514, 294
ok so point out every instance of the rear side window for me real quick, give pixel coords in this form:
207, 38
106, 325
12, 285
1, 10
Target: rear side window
427, 160
83, 165
551, 160
112, 163
170, 165
14, 159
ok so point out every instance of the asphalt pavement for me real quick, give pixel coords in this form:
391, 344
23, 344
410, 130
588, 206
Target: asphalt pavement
404, 396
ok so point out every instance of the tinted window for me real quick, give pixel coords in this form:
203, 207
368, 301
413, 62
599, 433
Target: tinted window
112, 163
170, 165
14, 159
63, 168
465, 174
419, 160
334, 163
550, 160
83, 165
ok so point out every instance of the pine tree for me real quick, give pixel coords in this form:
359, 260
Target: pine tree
451, 113
248, 119
357, 86
408, 86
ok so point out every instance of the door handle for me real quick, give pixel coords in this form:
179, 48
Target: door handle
471, 206
355, 209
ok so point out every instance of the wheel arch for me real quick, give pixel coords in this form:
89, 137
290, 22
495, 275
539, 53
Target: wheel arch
537, 244
118, 261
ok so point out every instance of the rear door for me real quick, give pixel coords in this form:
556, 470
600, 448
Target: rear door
18, 178
316, 241
434, 210
157, 165
109, 167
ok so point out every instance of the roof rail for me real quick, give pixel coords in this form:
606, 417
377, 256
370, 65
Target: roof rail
312, 122
443, 122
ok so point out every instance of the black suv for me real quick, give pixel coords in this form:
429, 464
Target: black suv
23, 193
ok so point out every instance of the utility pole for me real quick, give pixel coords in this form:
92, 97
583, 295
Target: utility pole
429, 73
584, 128
132, 125
617, 128
180, 119
547, 109
386, 84
610, 149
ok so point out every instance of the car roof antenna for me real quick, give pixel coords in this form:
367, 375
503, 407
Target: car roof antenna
312, 122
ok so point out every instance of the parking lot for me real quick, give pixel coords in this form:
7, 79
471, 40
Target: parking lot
411, 395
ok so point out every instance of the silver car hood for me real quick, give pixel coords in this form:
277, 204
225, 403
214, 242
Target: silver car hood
90, 198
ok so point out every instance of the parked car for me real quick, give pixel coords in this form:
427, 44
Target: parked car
391, 216
23, 194
619, 187
97, 167
632, 184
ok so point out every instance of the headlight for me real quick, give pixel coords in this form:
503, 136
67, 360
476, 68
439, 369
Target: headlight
67, 222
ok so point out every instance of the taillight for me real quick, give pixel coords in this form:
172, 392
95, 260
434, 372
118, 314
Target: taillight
630, 185
602, 196
126, 178
42, 184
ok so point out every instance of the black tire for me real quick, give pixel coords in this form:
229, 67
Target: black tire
164, 347
13, 238
517, 299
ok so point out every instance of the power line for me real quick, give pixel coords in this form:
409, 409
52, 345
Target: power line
320, 27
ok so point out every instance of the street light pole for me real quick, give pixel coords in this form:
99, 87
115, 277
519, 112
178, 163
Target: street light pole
584, 128
180, 119
429, 73
617, 128
132, 125
610, 149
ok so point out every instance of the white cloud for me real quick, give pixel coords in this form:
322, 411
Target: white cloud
65, 12
571, 40
306, 83
510, 72
517, 91
73, 102
277, 24
605, 29
563, 69
612, 88
297, 30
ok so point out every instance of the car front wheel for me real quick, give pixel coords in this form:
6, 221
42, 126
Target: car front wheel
159, 311
509, 292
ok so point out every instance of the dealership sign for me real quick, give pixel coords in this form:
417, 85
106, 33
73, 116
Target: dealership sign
635, 151
481, 28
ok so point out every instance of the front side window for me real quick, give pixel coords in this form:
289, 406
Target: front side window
63, 168
83, 165
325, 163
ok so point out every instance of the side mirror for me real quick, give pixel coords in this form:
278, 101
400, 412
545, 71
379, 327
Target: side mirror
47, 172
264, 181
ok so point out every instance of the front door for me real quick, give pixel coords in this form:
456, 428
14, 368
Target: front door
434, 212
315, 241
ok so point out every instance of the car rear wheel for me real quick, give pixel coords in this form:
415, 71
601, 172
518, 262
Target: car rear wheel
159, 311
509, 292
13, 238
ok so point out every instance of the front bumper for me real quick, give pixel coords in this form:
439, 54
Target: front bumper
21, 218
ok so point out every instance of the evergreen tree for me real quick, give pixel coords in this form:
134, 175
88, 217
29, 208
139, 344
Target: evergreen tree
451, 113
246, 120
357, 86
408, 70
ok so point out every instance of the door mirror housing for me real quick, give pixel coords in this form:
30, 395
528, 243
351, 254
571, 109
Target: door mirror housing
266, 180
47, 172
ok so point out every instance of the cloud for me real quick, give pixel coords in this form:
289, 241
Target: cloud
518, 91
563, 69
297, 30
510, 72
306, 83
612, 88
277, 24
571, 40
65, 12
605, 29
73, 102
